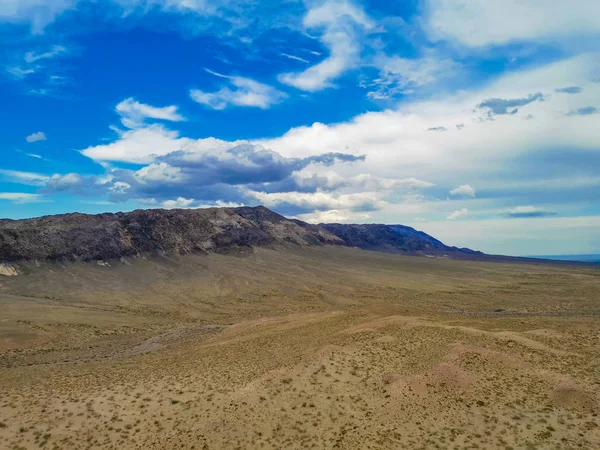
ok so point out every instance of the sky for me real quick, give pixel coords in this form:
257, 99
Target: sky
475, 121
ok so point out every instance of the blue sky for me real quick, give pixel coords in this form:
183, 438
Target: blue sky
477, 122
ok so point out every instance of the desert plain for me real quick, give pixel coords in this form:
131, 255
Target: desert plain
316, 347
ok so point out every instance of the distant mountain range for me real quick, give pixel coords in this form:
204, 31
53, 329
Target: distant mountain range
591, 258
83, 237
396, 239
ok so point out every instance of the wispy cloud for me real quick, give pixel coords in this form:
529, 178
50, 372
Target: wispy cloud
527, 211
569, 90
31, 57
295, 58
340, 24
134, 114
585, 111
21, 197
240, 92
28, 178
19, 72
458, 214
499, 106
403, 76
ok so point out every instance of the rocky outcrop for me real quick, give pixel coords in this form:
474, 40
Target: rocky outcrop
8, 270
83, 237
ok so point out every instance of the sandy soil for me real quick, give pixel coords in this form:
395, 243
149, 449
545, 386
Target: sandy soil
311, 348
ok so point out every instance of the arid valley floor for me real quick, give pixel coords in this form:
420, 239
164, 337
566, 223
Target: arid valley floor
306, 348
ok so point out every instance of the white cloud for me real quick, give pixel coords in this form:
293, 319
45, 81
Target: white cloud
334, 216
340, 24
20, 197
479, 23
401, 147
295, 58
245, 92
180, 202
361, 201
330, 180
119, 188
138, 146
134, 114
35, 137
458, 214
465, 191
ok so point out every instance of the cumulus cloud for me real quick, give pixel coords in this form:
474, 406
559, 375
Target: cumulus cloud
138, 146
35, 137
569, 90
340, 25
465, 190
527, 211
203, 170
499, 106
134, 114
584, 111
323, 201
458, 214
240, 92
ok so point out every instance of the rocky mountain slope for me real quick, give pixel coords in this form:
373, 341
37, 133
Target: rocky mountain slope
102, 237
395, 239
73, 237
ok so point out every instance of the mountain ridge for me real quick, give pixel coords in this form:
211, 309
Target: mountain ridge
144, 232
86, 237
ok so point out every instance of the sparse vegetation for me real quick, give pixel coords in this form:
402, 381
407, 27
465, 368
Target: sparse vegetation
301, 349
